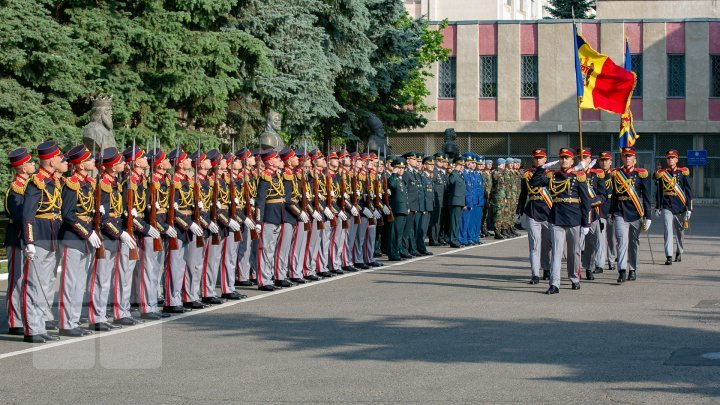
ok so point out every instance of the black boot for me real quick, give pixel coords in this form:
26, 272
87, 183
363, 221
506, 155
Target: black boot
668, 260
589, 275
598, 270
632, 276
621, 276
678, 257
546, 274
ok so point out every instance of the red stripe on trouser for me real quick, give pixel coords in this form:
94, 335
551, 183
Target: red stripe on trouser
11, 288
24, 292
206, 251
307, 251
291, 260
259, 260
184, 286
331, 256
116, 306
168, 276
343, 255
223, 268
61, 303
143, 288
277, 253
365, 247
91, 310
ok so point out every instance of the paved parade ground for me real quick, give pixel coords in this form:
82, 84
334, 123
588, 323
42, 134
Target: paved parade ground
460, 326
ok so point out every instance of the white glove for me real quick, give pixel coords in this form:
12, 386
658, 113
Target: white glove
30, 252
153, 232
386, 210
133, 212
94, 240
234, 225
646, 225
128, 240
376, 214
237, 201
157, 205
201, 205
389, 192
213, 227
175, 205
249, 223
332, 194
258, 227
343, 216
550, 164
687, 215
354, 211
367, 212
317, 216
304, 218
218, 205
585, 230
171, 232
252, 202
346, 196
196, 230
102, 209
657, 213
328, 213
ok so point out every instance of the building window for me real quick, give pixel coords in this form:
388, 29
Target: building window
676, 75
715, 75
636, 65
488, 76
508, 2
448, 78
529, 76
521, 5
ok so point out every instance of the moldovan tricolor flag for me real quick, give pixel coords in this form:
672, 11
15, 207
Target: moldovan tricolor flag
605, 85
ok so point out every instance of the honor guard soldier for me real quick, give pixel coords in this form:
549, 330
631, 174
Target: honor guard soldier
155, 260
366, 208
592, 243
40, 223
347, 168
294, 217
113, 235
457, 195
608, 247
24, 167
378, 211
78, 240
270, 204
201, 190
409, 248
316, 184
631, 212
400, 209
231, 202
428, 204
674, 203
337, 238
181, 200
568, 216
535, 203
245, 182
218, 223
298, 270
439, 213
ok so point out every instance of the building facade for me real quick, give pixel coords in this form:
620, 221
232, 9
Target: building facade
458, 10
509, 86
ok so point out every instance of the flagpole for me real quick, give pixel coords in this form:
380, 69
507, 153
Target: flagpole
579, 98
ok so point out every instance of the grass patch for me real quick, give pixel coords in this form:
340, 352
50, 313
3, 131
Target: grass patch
3, 267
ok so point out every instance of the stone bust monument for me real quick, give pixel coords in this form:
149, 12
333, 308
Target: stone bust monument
450, 148
98, 132
270, 137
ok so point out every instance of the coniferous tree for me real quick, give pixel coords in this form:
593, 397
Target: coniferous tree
584, 9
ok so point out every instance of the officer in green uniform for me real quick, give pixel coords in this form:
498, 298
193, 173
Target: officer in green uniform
456, 199
487, 211
499, 198
399, 206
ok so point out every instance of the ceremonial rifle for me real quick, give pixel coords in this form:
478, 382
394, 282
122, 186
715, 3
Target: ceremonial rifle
329, 196
246, 193
213, 209
233, 204
386, 195
316, 199
173, 243
97, 220
343, 191
196, 195
304, 191
130, 204
354, 198
157, 243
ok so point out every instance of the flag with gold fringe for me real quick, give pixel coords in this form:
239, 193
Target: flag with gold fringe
627, 136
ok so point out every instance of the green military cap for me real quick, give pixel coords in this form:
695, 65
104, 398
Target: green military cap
428, 160
399, 162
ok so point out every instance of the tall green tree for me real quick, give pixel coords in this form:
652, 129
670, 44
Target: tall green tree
584, 9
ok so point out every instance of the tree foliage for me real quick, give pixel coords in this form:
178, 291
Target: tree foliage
564, 9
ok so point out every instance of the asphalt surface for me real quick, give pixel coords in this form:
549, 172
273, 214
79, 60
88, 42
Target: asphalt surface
463, 326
